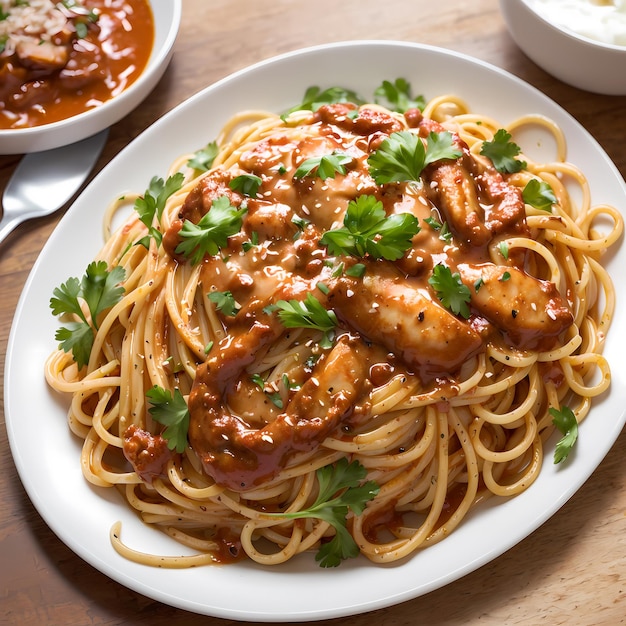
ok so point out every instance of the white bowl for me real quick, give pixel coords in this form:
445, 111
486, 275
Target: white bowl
167, 14
576, 60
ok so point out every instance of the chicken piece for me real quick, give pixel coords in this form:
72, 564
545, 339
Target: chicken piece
198, 203
476, 200
239, 456
325, 200
398, 313
367, 121
530, 312
42, 55
267, 155
453, 190
147, 453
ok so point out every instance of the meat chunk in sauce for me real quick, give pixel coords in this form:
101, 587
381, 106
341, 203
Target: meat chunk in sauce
529, 311
147, 453
398, 313
238, 456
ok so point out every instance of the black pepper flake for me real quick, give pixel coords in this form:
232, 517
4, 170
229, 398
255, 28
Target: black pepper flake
420, 316
514, 313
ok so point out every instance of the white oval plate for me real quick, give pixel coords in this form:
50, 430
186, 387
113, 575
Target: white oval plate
82, 515
167, 16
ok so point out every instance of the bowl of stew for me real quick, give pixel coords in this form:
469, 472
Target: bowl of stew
71, 68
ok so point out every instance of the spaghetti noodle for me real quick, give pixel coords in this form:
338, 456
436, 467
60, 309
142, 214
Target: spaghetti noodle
442, 405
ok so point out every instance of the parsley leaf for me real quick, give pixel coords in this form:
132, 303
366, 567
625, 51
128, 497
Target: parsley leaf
402, 156
325, 166
254, 241
452, 293
368, 230
397, 96
247, 184
445, 234
306, 314
356, 271
202, 160
539, 194
502, 152
224, 301
211, 232
340, 490
152, 203
171, 411
99, 289
314, 98
566, 422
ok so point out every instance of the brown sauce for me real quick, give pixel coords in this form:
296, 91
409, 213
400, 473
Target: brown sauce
71, 74
390, 308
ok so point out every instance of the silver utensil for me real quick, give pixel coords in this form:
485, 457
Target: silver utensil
44, 181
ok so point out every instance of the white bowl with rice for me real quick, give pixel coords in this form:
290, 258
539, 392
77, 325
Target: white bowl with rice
35, 38
581, 42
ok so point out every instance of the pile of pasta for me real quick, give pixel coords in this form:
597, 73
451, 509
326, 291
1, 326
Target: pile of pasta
437, 406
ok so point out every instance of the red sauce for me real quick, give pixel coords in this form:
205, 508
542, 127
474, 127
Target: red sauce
71, 74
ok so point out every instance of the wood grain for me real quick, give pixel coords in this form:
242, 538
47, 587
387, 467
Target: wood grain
570, 571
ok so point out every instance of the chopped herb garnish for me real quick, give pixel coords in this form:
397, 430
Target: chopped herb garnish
275, 398
340, 491
211, 233
502, 152
397, 96
247, 184
539, 195
402, 156
254, 241
99, 289
258, 380
300, 222
202, 160
152, 203
224, 301
307, 314
565, 420
450, 290
369, 231
314, 98
326, 166
171, 411
356, 271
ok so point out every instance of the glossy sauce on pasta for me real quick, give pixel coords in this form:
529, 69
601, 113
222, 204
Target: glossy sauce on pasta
52, 80
390, 313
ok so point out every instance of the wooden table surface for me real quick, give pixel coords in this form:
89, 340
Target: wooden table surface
570, 571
